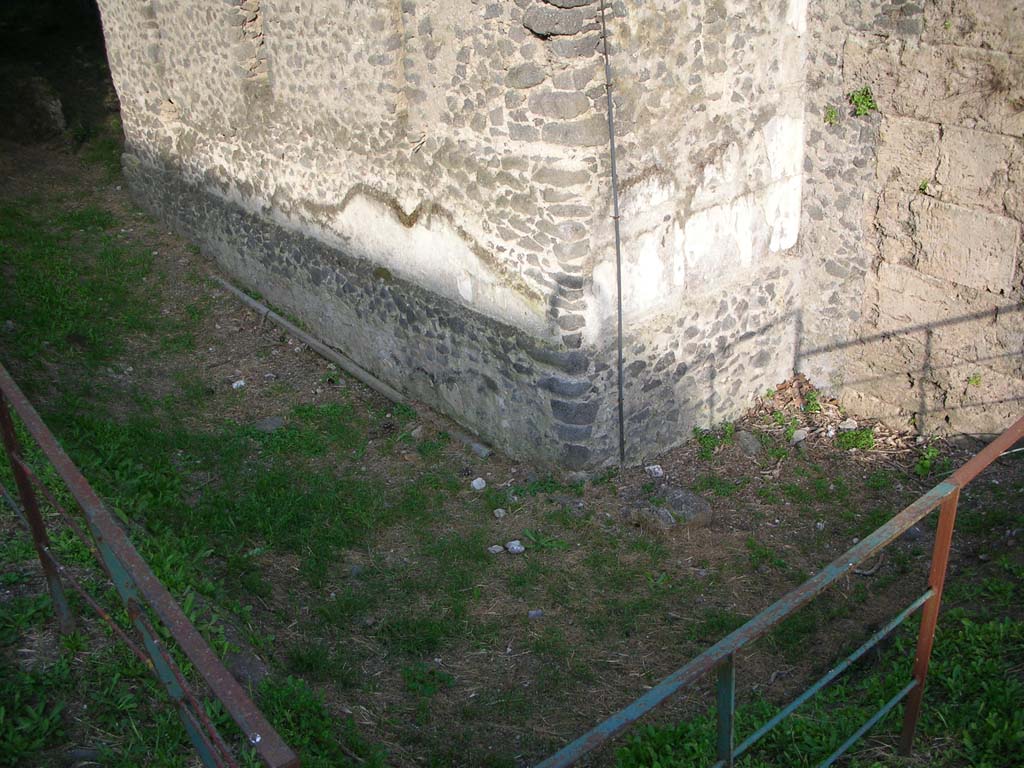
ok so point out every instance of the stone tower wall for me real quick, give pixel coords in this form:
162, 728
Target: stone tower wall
426, 185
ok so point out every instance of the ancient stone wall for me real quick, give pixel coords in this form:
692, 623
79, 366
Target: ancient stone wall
912, 213
710, 116
426, 185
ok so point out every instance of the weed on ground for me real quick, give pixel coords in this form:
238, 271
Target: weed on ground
329, 546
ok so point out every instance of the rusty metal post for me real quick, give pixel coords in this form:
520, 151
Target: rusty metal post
929, 617
30, 507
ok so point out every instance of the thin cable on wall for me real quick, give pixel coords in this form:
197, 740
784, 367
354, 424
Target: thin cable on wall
618, 236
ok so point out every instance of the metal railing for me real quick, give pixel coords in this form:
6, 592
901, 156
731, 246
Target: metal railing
721, 657
138, 588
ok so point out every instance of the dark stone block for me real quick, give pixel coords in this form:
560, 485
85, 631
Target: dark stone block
574, 412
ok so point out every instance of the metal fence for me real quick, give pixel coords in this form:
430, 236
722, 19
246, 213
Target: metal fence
721, 657
139, 590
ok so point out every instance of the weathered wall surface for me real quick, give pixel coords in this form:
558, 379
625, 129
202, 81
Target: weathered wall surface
427, 185
912, 215
452, 146
710, 112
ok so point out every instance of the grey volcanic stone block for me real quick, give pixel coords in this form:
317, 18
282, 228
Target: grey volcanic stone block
525, 76
574, 412
548, 22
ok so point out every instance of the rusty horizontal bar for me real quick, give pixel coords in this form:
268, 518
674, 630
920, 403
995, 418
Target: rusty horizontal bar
260, 734
771, 616
832, 674
980, 461
755, 628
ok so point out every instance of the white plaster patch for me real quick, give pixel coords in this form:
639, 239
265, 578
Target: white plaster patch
781, 204
721, 239
796, 16
722, 179
784, 145
678, 263
431, 254
466, 287
638, 201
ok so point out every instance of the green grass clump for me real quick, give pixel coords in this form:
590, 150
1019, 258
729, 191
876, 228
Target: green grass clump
71, 288
718, 485
31, 703
973, 661
862, 439
709, 440
301, 717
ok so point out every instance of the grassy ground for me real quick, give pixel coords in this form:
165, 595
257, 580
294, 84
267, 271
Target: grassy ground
338, 561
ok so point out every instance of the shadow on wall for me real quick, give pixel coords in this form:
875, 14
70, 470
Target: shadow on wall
914, 374
906, 375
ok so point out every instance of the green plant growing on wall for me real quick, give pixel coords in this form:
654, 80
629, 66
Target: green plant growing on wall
831, 115
863, 101
923, 187
974, 380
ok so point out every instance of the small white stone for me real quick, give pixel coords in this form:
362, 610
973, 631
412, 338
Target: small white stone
820, 525
655, 470
479, 484
798, 437
496, 549
238, 384
499, 513
848, 426
515, 547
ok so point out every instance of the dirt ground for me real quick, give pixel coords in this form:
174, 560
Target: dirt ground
623, 600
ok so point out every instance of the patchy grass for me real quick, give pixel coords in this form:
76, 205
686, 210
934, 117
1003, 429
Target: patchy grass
343, 547
974, 659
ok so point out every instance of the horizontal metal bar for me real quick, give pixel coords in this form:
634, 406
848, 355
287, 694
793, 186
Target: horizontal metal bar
988, 454
346, 364
832, 674
755, 628
271, 748
871, 723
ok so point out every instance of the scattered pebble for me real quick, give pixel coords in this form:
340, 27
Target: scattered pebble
496, 549
268, 424
478, 484
238, 384
749, 443
536, 613
848, 426
500, 513
417, 433
820, 525
798, 437
515, 547
914, 533
655, 471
